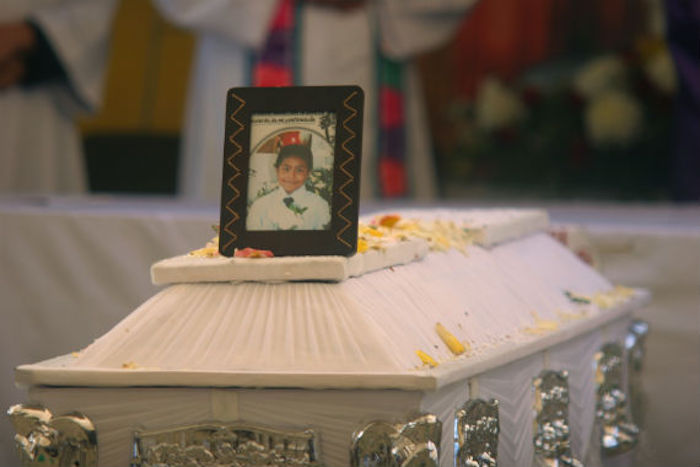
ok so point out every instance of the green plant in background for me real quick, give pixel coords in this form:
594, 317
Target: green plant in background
267, 187
327, 123
320, 181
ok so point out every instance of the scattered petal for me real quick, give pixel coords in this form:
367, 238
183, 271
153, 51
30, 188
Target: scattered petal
426, 359
577, 298
389, 220
361, 245
205, 252
545, 325
252, 253
452, 343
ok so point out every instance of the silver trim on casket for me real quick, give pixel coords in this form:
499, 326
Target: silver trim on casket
43, 439
618, 433
411, 444
551, 440
476, 431
235, 445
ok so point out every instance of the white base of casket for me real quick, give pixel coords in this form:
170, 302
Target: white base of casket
334, 414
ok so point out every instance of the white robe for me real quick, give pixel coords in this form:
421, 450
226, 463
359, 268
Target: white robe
337, 47
40, 146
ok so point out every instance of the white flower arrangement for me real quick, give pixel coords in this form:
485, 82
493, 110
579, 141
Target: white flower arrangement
600, 75
497, 106
613, 118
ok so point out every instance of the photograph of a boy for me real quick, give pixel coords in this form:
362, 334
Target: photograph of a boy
290, 206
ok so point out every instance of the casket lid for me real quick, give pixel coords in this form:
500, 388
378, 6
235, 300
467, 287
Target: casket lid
515, 292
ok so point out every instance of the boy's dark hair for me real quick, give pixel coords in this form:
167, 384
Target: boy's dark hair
296, 150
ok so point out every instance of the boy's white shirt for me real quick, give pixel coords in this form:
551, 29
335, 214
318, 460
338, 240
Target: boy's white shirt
270, 212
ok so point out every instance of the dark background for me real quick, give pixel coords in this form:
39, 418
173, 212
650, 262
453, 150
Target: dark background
533, 51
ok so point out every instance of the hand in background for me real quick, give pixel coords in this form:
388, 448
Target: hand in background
16, 40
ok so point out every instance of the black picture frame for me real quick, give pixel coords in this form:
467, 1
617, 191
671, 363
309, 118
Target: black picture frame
339, 236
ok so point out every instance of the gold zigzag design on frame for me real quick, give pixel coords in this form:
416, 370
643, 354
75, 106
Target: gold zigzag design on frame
236, 173
350, 179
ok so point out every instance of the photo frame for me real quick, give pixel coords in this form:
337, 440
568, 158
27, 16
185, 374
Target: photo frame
291, 170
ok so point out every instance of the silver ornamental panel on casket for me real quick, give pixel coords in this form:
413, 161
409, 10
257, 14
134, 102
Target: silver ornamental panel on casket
235, 445
635, 345
618, 433
552, 444
477, 426
43, 440
415, 443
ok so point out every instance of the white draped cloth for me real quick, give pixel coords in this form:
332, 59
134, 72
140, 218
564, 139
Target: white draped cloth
336, 47
40, 147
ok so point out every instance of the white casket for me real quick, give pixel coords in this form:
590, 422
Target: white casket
456, 338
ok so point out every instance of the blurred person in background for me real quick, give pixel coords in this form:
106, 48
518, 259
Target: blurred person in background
52, 60
683, 18
317, 42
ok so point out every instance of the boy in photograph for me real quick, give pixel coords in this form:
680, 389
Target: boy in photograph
290, 206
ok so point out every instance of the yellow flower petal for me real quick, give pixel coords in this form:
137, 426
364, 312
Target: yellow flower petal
389, 220
206, 252
452, 343
361, 245
547, 325
544, 324
426, 359
571, 315
624, 292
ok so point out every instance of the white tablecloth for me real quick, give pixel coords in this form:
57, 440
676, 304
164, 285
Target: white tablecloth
72, 268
